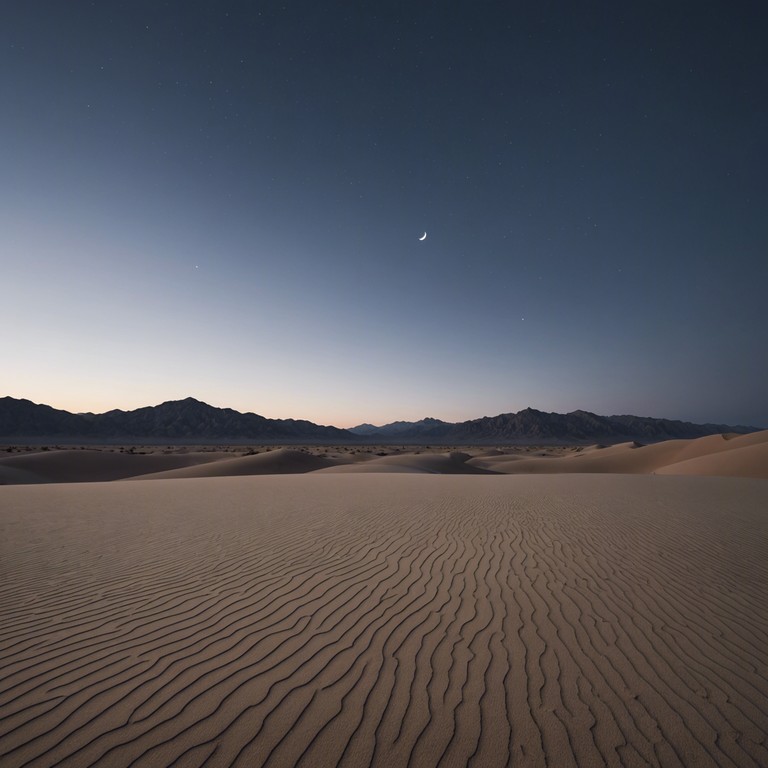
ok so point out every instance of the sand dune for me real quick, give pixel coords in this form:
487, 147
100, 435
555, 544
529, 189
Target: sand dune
418, 620
631, 458
278, 462
746, 461
722, 455
626, 458
670, 457
753, 438
73, 466
10, 475
374, 468
452, 463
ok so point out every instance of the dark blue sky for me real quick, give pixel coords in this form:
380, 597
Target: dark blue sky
224, 200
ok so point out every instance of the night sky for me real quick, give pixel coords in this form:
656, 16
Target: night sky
224, 199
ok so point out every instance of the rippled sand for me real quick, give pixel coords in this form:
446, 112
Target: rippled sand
390, 619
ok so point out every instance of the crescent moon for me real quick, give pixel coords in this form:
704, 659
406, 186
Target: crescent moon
423, 237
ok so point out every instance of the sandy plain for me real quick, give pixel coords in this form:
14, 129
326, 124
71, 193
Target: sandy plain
412, 615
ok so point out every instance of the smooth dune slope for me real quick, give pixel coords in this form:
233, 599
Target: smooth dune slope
75, 466
413, 620
754, 438
745, 461
10, 475
626, 458
451, 463
631, 458
283, 461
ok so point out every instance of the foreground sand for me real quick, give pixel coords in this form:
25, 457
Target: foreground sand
394, 620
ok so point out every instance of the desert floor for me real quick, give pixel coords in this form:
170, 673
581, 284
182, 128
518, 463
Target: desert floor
404, 618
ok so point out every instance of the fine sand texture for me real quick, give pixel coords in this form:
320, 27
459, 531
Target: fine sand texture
385, 619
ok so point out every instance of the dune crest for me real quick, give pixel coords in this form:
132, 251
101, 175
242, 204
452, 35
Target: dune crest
283, 461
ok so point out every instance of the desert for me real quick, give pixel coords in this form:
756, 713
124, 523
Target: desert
383, 384
329, 605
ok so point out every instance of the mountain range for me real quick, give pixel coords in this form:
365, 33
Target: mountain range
175, 420
539, 426
191, 420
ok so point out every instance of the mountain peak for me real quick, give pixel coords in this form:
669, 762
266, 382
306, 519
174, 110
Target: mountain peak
185, 401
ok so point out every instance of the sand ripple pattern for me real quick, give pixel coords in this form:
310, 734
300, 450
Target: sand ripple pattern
385, 620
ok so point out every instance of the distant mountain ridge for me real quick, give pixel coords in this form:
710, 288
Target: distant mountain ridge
191, 420
398, 427
530, 424
176, 420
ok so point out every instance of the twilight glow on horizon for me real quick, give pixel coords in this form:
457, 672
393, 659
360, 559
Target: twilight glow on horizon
226, 200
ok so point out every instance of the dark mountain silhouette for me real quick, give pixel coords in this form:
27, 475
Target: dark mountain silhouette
398, 427
190, 420
365, 429
530, 425
25, 418
175, 420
